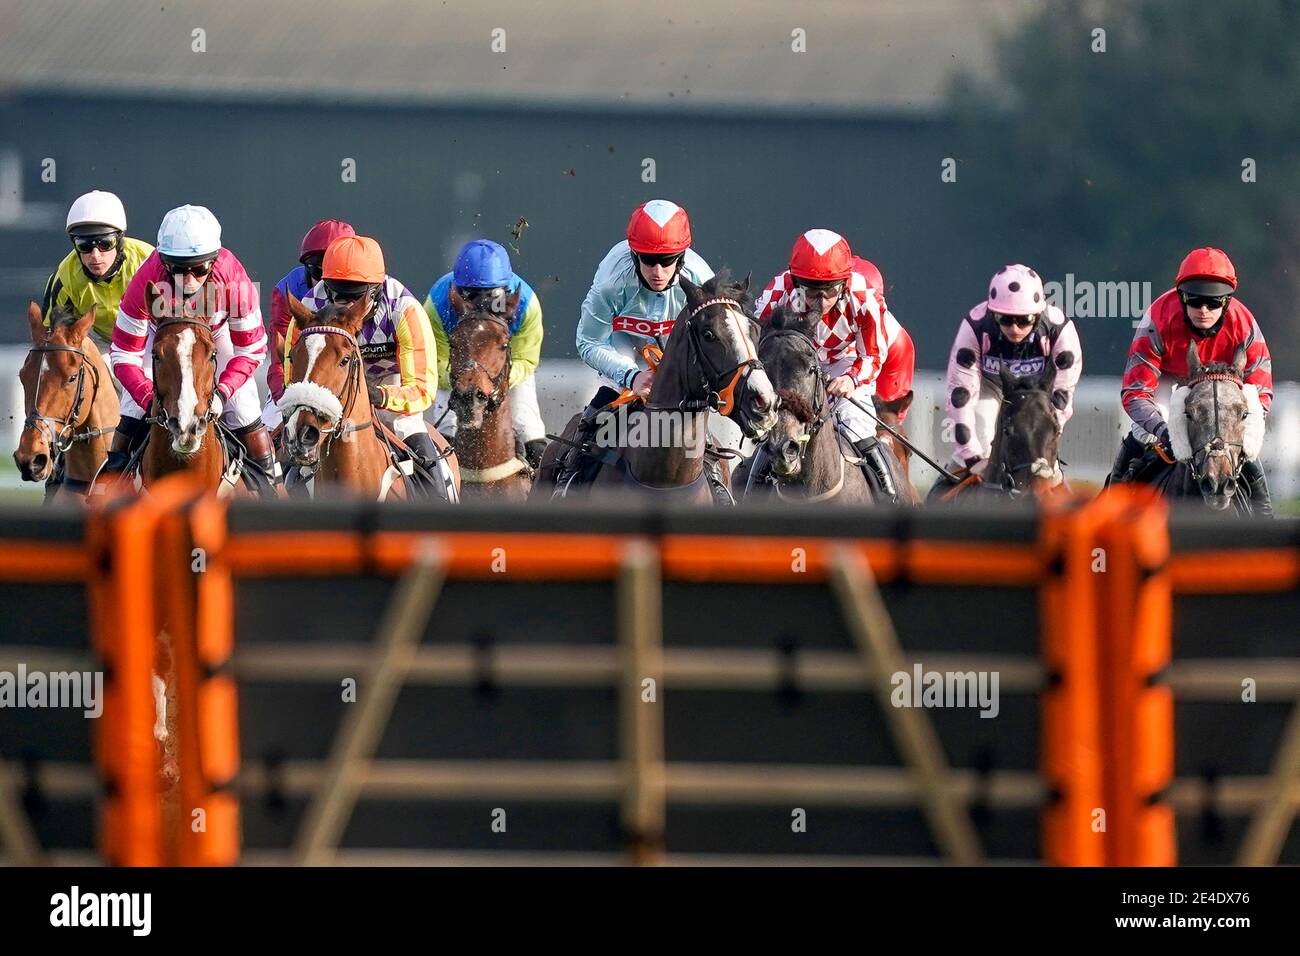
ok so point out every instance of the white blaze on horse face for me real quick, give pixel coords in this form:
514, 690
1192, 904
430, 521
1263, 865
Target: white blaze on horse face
187, 404
315, 345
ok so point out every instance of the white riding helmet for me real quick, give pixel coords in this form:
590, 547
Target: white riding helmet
189, 232
97, 208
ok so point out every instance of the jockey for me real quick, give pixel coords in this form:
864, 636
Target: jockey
103, 260
633, 301
482, 271
190, 258
1017, 329
297, 282
397, 345
1202, 308
823, 286
895, 378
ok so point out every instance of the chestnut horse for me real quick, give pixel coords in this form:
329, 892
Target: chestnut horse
70, 402
490, 464
329, 425
182, 422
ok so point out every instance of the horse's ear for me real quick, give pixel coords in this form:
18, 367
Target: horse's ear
1047, 380
153, 293
82, 326
355, 313
744, 283
1193, 360
905, 402
690, 288
37, 323
1239, 360
456, 300
299, 311
277, 343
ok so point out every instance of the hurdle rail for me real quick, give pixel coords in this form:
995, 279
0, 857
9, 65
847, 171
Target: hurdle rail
1106, 676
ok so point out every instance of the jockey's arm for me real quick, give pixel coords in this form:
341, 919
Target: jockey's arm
1142, 378
869, 328
595, 334
1259, 366
248, 339
442, 342
280, 319
126, 353
1067, 356
526, 344
963, 391
417, 361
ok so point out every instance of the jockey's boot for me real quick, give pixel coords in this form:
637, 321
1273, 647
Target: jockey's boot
876, 470
533, 451
296, 478
427, 457
572, 460
127, 439
1252, 473
262, 469
1130, 450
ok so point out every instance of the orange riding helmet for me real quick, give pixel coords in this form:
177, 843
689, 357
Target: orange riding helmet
354, 259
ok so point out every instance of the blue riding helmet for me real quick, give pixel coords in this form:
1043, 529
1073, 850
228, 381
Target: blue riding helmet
482, 264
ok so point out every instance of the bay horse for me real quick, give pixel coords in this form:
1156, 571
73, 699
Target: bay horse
1215, 421
1023, 456
71, 405
490, 463
709, 363
329, 424
183, 430
802, 459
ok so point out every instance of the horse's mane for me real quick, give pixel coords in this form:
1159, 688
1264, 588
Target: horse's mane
722, 284
62, 316
796, 405
1220, 368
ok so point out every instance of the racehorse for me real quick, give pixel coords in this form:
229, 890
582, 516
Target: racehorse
183, 430
329, 424
1215, 422
1023, 457
708, 364
801, 459
490, 463
70, 401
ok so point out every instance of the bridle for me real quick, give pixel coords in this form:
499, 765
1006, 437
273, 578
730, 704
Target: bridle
719, 385
65, 435
1217, 446
209, 416
500, 381
351, 389
1008, 477
821, 403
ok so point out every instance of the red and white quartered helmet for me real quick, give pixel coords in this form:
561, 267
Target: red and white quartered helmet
659, 228
1016, 290
820, 255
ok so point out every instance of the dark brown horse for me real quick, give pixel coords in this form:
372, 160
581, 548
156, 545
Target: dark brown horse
329, 424
1023, 456
709, 364
490, 464
803, 458
70, 402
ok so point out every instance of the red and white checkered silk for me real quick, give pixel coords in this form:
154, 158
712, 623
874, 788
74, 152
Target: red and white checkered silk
852, 329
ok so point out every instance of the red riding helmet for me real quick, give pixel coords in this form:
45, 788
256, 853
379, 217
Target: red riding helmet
659, 228
1207, 271
320, 236
820, 255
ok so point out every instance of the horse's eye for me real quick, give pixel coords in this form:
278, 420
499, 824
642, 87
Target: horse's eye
72, 380
709, 336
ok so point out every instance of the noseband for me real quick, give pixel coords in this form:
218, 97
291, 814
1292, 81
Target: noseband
350, 389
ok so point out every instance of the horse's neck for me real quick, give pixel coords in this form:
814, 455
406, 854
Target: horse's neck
492, 443
670, 465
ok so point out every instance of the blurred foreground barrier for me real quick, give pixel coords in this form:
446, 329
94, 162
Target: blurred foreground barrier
349, 683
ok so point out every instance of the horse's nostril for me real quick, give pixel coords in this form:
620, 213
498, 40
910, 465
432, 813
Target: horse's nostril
309, 436
39, 462
790, 449
173, 423
760, 403
480, 395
